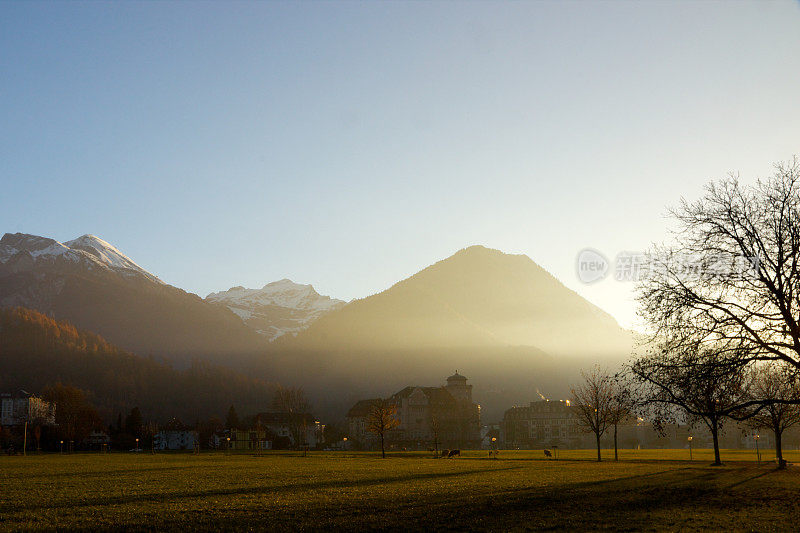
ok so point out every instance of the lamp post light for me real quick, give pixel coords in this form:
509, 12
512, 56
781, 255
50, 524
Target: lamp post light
61, 447
758, 452
690, 447
228, 447
137, 445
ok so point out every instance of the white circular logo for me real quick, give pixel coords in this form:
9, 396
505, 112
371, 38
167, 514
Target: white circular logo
591, 265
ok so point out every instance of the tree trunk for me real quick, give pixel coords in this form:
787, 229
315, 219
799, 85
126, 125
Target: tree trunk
383, 450
616, 457
597, 434
779, 448
715, 436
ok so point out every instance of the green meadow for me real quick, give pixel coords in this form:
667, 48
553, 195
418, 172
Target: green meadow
645, 490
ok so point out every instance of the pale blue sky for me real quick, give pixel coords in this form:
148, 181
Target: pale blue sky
349, 145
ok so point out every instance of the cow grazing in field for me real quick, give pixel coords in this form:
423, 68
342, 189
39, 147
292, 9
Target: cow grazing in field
548, 454
445, 452
454, 453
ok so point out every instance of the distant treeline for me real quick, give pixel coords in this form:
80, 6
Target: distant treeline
37, 351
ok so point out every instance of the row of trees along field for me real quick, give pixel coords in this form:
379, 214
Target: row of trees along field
724, 343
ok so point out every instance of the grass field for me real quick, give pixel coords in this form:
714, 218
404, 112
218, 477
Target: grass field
646, 490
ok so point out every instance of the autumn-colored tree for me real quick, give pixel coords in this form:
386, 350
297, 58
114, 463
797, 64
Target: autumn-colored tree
75, 416
37, 434
381, 419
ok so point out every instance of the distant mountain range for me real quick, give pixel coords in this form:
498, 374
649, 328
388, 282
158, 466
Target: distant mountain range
501, 319
94, 286
278, 308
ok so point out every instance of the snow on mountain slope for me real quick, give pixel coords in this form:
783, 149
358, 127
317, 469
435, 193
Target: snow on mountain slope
278, 308
89, 250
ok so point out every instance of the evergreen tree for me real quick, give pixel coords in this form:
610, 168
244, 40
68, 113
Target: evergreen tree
133, 422
232, 421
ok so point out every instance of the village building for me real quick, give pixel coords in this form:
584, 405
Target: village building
274, 430
429, 417
176, 435
288, 427
542, 424
20, 407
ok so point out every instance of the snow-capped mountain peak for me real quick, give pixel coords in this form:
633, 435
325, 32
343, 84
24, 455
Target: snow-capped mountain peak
88, 249
278, 308
105, 252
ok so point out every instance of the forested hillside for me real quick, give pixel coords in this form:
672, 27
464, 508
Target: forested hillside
37, 351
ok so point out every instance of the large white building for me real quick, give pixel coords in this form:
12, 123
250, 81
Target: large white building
175, 439
543, 423
428, 417
18, 408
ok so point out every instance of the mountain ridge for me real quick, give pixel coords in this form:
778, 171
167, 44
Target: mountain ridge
506, 298
93, 285
278, 308
89, 249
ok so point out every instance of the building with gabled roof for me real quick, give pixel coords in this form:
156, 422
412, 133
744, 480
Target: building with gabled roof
430, 417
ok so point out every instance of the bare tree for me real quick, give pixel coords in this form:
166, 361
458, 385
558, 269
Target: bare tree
777, 383
700, 383
736, 283
436, 427
381, 419
593, 402
620, 407
293, 403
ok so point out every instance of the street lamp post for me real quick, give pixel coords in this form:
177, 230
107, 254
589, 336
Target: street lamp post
228, 447
61, 447
137, 445
690, 447
758, 452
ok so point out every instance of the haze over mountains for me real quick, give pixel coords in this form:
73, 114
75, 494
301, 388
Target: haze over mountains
502, 320
477, 297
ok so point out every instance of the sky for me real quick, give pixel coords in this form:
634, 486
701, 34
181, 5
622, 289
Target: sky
349, 145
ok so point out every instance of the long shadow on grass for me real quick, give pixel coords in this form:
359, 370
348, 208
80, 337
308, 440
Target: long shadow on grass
661, 500
624, 503
751, 478
162, 497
